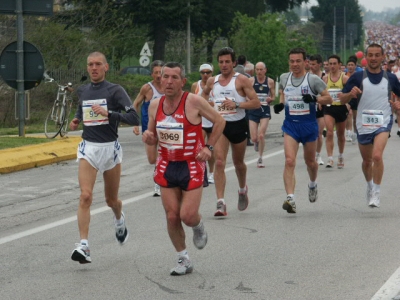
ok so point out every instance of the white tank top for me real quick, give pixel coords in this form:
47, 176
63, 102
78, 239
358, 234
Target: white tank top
204, 122
228, 91
156, 93
374, 108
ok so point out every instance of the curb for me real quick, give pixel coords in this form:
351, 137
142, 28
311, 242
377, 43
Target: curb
27, 157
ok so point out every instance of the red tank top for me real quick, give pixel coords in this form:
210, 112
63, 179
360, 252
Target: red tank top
178, 139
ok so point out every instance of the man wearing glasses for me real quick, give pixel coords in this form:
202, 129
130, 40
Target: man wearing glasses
197, 88
232, 94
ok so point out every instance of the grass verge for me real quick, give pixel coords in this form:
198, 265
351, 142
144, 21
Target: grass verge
14, 142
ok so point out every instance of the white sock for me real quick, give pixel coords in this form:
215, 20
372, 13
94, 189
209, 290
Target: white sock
85, 242
370, 184
183, 253
377, 187
312, 184
242, 190
330, 157
340, 155
198, 226
221, 199
291, 195
120, 221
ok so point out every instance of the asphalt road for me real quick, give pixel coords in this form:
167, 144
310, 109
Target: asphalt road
336, 248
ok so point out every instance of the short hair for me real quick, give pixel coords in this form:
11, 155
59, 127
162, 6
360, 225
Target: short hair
241, 60
172, 65
335, 56
156, 63
225, 51
96, 53
374, 45
298, 51
392, 61
249, 67
316, 57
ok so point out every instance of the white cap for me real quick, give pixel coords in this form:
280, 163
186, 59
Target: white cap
206, 67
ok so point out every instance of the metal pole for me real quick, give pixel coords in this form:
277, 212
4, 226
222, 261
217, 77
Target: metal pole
20, 68
188, 69
334, 31
344, 39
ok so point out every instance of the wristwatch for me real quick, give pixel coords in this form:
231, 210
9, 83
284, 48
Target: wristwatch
211, 148
237, 104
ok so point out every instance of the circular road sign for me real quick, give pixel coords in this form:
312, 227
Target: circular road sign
33, 65
144, 61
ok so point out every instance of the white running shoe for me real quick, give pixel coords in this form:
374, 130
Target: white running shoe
211, 178
221, 209
157, 191
81, 254
121, 232
183, 267
349, 137
340, 163
289, 205
330, 163
260, 163
199, 236
375, 200
313, 194
319, 160
368, 195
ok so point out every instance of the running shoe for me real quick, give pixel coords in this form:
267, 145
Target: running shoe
81, 254
368, 195
211, 178
243, 201
330, 163
313, 194
183, 267
348, 137
340, 163
221, 209
256, 146
289, 205
157, 191
375, 200
319, 160
260, 163
199, 236
121, 232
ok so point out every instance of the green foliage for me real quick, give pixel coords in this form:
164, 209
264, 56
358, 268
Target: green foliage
267, 39
13, 142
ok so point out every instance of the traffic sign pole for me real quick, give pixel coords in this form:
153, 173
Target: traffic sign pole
20, 68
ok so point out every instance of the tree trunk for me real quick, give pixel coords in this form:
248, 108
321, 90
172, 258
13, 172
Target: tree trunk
160, 39
210, 46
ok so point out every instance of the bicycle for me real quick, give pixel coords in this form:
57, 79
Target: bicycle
57, 119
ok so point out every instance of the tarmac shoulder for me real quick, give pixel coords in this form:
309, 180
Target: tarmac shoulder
27, 157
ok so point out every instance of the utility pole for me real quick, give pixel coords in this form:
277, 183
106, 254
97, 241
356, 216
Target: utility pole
188, 42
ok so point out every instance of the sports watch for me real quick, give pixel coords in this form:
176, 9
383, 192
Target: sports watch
211, 148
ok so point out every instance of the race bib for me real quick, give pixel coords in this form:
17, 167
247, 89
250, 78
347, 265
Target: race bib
90, 118
221, 109
170, 135
372, 118
334, 94
263, 98
297, 106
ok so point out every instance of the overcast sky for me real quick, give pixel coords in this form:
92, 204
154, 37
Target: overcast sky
375, 5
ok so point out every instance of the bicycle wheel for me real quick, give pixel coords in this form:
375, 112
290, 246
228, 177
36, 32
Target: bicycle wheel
65, 119
52, 125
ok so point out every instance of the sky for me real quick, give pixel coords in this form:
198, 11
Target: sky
374, 5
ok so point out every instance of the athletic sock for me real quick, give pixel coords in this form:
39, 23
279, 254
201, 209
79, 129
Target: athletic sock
183, 253
312, 184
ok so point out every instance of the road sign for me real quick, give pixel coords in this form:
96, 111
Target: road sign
145, 50
144, 61
33, 65
29, 7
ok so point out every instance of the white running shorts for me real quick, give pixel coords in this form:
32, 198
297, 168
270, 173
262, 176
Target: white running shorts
102, 156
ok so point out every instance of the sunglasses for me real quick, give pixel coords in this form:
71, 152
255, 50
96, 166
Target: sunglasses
205, 72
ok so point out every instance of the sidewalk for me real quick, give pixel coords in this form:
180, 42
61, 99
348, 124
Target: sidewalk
26, 157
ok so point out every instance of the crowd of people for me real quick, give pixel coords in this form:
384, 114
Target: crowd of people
182, 131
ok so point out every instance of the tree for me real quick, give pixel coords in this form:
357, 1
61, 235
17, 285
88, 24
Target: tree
267, 39
325, 11
283, 5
